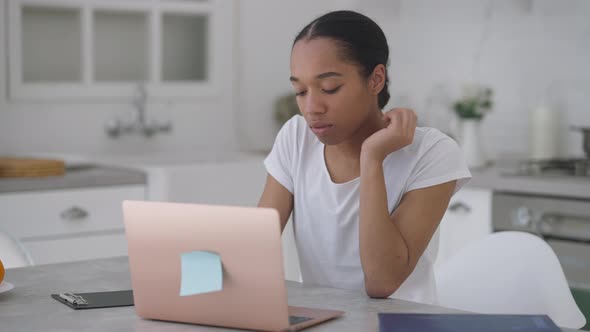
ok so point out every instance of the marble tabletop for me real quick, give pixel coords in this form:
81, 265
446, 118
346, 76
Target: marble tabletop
29, 307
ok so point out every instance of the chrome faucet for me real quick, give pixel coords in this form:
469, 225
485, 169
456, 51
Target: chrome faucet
141, 124
140, 103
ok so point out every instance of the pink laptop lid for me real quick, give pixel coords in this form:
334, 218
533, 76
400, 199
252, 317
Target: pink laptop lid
254, 295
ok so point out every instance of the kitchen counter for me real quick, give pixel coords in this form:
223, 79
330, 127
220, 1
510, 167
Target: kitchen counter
76, 176
120, 171
501, 177
29, 307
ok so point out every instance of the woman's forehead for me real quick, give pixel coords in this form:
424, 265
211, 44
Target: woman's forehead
312, 58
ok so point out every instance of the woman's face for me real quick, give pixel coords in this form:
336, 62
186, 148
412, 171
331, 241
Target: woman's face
331, 94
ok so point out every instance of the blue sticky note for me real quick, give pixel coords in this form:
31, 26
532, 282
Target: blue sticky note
201, 272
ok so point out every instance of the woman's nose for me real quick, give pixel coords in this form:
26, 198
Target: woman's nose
313, 105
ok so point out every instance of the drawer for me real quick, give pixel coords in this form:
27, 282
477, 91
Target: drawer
77, 248
39, 214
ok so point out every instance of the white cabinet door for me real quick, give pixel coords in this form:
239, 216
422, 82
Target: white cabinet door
65, 225
468, 218
224, 183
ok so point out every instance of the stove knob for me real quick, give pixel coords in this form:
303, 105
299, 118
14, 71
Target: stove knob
545, 227
546, 224
522, 217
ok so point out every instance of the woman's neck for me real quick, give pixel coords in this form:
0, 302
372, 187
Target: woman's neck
351, 148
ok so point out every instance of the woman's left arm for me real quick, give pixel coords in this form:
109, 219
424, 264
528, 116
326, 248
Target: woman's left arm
390, 245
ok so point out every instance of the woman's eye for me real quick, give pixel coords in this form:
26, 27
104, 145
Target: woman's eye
299, 94
332, 91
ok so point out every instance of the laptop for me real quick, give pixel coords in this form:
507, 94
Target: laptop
248, 242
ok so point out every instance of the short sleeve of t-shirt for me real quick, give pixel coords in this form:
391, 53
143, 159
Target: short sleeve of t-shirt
280, 161
441, 160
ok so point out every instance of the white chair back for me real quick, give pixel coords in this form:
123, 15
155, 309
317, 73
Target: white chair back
509, 273
12, 252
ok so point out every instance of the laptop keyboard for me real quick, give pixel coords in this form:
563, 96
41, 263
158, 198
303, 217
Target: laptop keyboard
293, 320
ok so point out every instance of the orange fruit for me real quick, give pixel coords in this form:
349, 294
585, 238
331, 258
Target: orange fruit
1, 271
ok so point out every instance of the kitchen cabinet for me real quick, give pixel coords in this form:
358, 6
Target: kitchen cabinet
68, 224
64, 49
467, 219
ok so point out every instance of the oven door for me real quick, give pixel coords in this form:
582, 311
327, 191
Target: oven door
575, 260
563, 222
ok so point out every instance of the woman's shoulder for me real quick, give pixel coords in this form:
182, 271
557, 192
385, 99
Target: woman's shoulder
296, 125
431, 132
426, 140
295, 135
296, 129
426, 137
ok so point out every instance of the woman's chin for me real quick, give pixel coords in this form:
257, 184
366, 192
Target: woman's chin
328, 140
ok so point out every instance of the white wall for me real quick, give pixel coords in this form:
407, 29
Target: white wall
267, 30
78, 127
524, 49
527, 50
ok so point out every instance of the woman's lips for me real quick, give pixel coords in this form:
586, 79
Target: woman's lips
321, 129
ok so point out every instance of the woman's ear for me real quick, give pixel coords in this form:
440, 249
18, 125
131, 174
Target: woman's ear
377, 79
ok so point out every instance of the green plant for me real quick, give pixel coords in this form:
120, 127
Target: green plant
476, 102
285, 107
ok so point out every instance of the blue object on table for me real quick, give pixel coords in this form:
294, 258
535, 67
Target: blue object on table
201, 272
395, 322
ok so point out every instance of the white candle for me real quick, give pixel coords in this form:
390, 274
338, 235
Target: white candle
543, 133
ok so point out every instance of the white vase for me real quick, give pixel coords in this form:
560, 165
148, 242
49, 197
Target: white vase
470, 141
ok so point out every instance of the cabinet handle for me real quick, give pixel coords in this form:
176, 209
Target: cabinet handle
459, 206
74, 213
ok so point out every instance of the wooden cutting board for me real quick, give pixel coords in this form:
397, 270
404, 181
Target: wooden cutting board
30, 167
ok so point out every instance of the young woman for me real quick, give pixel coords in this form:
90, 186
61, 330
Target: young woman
367, 189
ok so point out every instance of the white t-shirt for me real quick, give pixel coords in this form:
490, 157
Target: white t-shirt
326, 214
